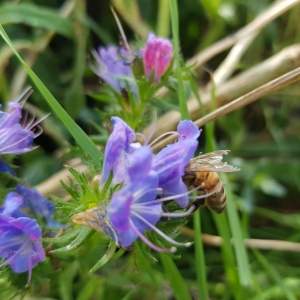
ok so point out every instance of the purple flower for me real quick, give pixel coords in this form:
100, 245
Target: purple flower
20, 245
38, 205
170, 162
132, 200
19, 238
16, 138
135, 208
118, 149
112, 70
157, 56
29, 200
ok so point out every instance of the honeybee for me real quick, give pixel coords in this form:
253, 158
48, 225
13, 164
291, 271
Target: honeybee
201, 172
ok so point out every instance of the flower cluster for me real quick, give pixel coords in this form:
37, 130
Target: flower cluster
20, 234
145, 182
113, 64
16, 138
20, 244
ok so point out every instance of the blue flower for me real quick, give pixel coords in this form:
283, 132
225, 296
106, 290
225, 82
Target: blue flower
19, 239
169, 163
38, 204
136, 207
16, 138
118, 149
135, 200
31, 201
112, 70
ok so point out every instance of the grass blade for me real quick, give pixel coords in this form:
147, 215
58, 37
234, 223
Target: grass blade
177, 282
175, 31
200, 258
36, 16
163, 18
238, 241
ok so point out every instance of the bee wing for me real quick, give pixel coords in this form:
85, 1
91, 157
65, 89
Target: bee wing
210, 162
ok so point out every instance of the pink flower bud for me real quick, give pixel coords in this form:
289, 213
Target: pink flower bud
157, 55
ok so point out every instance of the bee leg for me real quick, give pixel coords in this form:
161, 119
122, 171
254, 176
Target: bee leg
198, 203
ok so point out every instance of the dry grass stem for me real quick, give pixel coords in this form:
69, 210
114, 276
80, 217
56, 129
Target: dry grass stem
228, 65
275, 10
216, 241
254, 95
130, 13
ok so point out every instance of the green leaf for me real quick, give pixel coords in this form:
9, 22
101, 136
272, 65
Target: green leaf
86, 144
177, 282
36, 16
67, 237
106, 257
84, 234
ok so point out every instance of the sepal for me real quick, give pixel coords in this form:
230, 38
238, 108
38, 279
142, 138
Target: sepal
84, 235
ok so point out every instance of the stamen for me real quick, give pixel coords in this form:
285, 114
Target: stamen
38, 121
29, 273
28, 119
142, 209
179, 215
174, 197
150, 244
24, 96
38, 132
24, 118
162, 135
167, 238
140, 193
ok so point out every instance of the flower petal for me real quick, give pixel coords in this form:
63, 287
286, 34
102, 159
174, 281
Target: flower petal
170, 162
157, 56
112, 70
117, 150
13, 201
13, 138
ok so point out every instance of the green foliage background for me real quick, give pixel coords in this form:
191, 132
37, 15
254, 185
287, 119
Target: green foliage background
55, 38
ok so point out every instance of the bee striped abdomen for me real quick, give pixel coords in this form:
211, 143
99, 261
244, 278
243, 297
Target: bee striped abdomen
210, 182
201, 173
